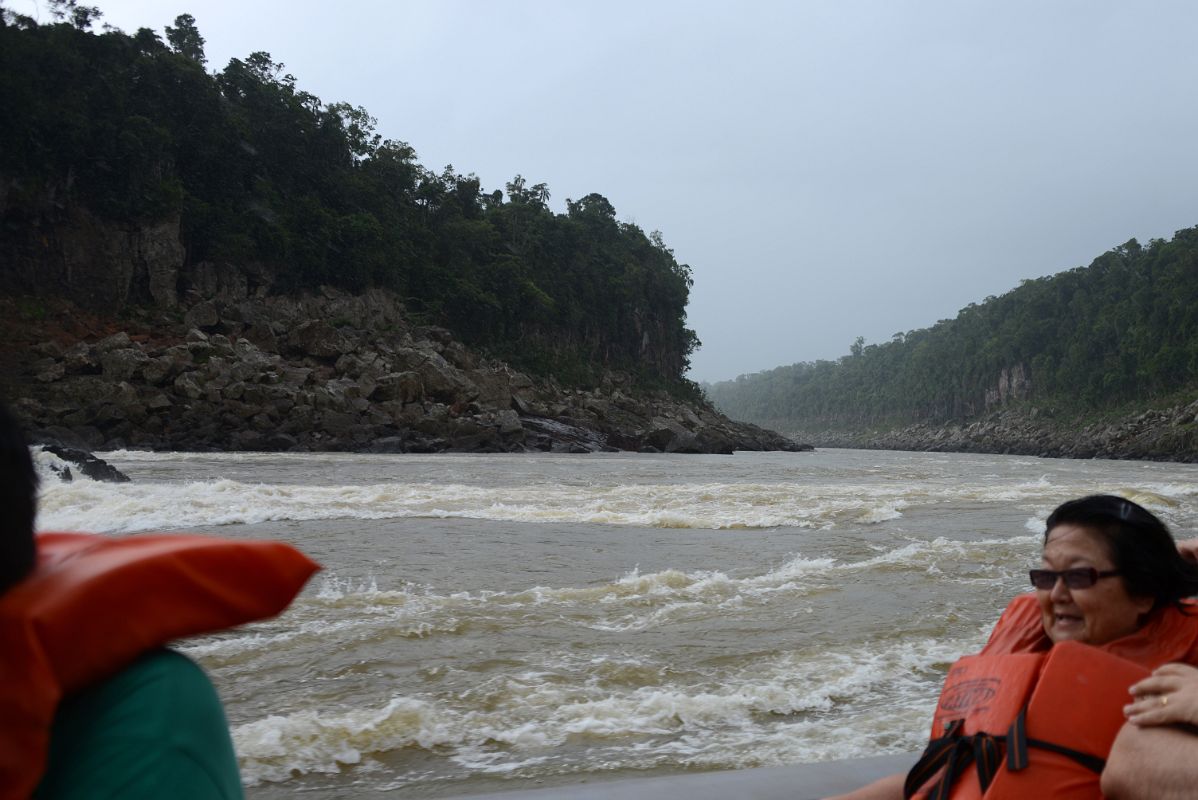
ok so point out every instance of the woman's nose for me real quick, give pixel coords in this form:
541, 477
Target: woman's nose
1060, 592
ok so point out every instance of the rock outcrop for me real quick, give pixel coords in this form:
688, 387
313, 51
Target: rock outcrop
87, 464
328, 371
1166, 434
99, 264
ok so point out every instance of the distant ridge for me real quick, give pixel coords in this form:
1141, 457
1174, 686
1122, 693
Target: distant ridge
1090, 346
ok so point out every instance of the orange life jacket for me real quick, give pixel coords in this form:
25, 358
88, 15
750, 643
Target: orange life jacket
93, 604
1036, 720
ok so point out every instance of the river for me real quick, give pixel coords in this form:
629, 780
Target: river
487, 622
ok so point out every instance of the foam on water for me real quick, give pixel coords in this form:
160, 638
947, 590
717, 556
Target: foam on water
138, 506
50, 469
508, 722
272, 748
314, 622
633, 602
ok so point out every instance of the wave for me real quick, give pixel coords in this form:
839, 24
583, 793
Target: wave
152, 506
361, 612
140, 506
746, 715
50, 468
803, 500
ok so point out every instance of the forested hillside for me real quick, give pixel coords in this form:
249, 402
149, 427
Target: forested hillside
1122, 330
111, 131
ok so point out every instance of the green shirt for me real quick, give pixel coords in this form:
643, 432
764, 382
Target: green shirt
154, 730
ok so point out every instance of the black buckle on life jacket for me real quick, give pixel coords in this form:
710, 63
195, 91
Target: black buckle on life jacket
954, 752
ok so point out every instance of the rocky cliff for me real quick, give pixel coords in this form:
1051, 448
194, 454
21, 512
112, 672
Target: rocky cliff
234, 368
1163, 434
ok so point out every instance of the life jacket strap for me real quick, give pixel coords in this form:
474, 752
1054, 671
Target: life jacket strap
1018, 744
954, 752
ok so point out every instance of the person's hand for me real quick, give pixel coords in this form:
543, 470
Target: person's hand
1167, 697
1188, 549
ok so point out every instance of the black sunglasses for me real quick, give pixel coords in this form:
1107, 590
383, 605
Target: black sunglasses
1076, 578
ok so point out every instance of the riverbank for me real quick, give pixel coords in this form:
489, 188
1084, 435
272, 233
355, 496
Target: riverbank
1160, 434
317, 372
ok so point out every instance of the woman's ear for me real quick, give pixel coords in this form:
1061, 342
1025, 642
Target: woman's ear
1143, 604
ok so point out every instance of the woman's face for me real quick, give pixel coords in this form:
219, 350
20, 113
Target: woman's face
1096, 615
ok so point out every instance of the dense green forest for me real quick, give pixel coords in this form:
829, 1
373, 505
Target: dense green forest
135, 129
1122, 330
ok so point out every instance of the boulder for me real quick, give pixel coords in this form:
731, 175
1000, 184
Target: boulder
81, 359
669, 436
262, 335
118, 341
457, 354
509, 425
189, 385
122, 365
221, 345
51, 349
492, 386
50, 373
157, 371
389, 444
158, 402
318, 339
714, 440
203, 315
443, 381
87, 464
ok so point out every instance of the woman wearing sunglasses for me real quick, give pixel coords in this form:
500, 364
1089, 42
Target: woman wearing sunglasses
1035, 713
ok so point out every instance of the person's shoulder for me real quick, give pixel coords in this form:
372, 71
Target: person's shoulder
1023, 604
164, 683
155, 729
1019, 629
1178, 628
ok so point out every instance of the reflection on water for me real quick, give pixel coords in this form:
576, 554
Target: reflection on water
490, 622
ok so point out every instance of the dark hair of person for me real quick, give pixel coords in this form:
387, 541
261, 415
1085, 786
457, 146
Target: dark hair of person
18, 503
1140, 545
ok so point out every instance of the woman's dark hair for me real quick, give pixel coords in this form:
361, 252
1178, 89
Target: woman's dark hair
18, 503
1140, 545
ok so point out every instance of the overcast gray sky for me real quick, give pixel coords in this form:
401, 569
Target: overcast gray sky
828, 169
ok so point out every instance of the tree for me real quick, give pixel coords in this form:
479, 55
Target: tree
82, 17
359, 129
147, 41
185, 39
593, 205
10, 17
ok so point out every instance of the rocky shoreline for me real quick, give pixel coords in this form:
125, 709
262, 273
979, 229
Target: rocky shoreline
1166, 434
318, 372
